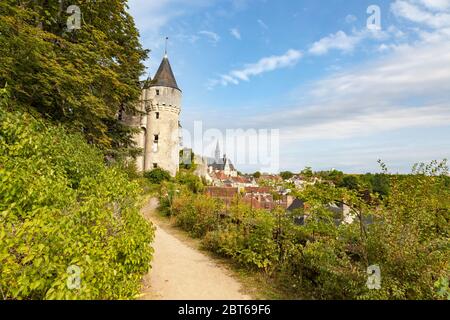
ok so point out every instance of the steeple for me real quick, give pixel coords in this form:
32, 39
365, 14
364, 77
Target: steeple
217, 153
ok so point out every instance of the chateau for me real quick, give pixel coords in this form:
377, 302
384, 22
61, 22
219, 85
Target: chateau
158, 121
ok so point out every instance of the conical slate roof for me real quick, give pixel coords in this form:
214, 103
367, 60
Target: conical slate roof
164, 76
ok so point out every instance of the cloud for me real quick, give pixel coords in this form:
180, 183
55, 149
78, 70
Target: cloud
438, 5
262, 24
340, 41
409, 11
409, 88
373, 123
235, 33
267, 64
212, 36
346, 43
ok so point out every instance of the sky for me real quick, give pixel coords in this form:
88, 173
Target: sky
336, 87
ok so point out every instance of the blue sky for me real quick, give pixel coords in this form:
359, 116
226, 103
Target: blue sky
341, 95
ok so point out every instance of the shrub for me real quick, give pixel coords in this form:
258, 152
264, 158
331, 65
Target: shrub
189, 179
407, 236
61, 206
158, 175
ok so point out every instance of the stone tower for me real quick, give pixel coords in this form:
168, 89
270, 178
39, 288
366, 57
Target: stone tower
160, 104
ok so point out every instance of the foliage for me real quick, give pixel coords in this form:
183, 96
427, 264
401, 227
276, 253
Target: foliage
334, 176
307, 172
286, 175
257, 175
195, 213
84, 78
157, 175
410, 240
350, 182
61, 206
189, 179
406, 234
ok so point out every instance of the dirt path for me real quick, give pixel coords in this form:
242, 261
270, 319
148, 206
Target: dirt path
181, 272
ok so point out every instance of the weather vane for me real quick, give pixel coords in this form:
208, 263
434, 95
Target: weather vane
165, 52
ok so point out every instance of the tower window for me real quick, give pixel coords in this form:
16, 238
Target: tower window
157, 115
155, 165
156, 138
157, 92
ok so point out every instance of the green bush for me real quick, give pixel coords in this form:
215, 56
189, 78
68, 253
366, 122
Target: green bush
189, 179
195, 213
158, 175
60, 206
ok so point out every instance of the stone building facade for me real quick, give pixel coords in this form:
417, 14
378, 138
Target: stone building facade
158, 121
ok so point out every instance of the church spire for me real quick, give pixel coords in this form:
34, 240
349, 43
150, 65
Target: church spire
217, 153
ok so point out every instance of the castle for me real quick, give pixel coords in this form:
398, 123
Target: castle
158, 121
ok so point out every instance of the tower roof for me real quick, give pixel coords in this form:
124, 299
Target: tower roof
164, 76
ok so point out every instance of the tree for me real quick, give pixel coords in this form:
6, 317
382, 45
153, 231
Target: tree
380, 184
307, 172
350, 182
257, 175
84, 78
286, 175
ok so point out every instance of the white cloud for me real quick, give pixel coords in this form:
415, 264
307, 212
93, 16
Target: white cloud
406, 89
212, 36
436, 4
235, 33
340, 41
372, 123
407, 10
290, 58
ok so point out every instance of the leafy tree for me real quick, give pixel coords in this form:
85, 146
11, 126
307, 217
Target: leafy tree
257, 175
350, 182
286, 175
380, 184
335, 176
307, 172
84, 78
